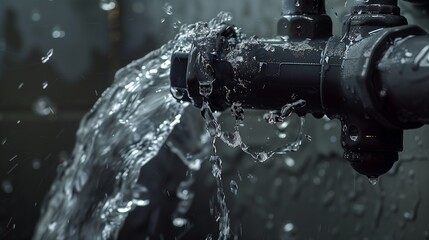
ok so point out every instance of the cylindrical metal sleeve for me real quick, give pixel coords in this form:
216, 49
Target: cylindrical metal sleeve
404, 75
268, 77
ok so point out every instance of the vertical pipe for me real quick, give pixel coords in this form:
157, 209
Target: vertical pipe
303, 19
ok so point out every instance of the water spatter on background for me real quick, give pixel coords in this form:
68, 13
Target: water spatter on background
96, 189
168, 9
48, 56
184, 191
43, 106
234, 187
107, 5
58, 32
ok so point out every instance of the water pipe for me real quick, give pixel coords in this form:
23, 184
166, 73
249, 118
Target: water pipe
374, 78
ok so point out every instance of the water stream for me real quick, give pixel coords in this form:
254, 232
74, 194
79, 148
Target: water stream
97, 187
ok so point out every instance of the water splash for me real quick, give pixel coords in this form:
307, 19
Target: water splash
203, 47
96, 189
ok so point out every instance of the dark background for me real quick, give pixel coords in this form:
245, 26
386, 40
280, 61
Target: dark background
317, 197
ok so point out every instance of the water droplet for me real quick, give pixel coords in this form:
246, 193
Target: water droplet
47, 56
288, 227
281, 135
290, 162
20, 85
373, 180
35, 16
409, 216
408, 54
262, 156
13, 158
162, 20
216, 166
125, 209
45, 85
7, 186
107, 5
252, 178
179, 222
231, 139
177, 24
140, 196
168, 9
283, 125
234, 187
52, 226
57, 32
308, 137
3, 142
43, 106
183, 191
353, 133
36, 164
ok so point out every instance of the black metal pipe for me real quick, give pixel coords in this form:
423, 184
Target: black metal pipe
265, 77
303, 19
375, 79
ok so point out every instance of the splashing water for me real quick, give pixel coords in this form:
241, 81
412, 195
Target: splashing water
95, 189
233, 139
